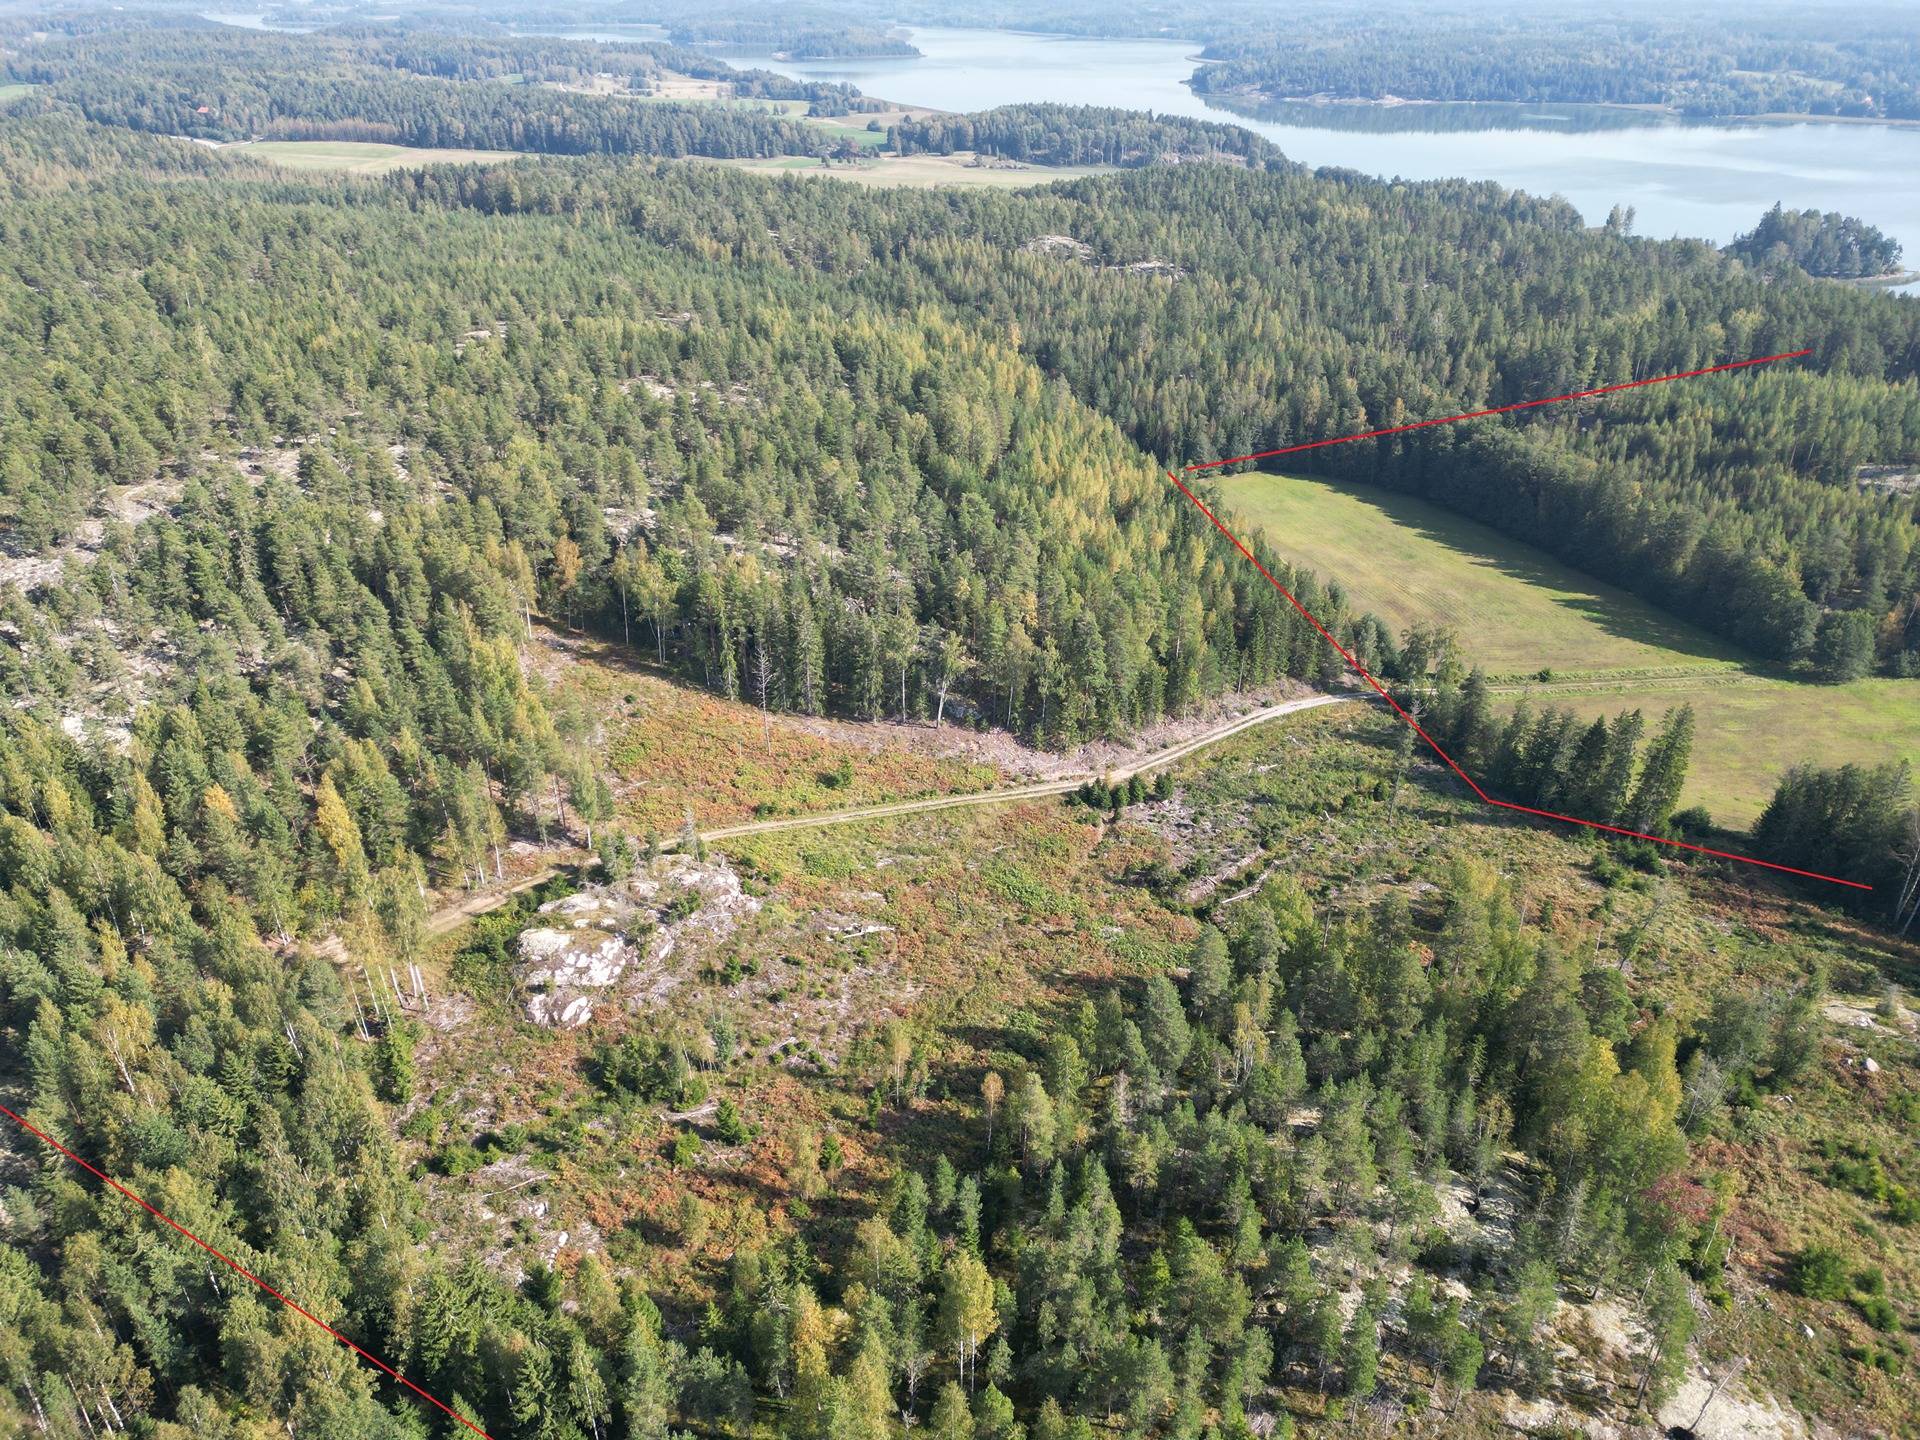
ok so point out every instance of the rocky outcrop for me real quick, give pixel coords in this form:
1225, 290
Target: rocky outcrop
611, 939
565, 966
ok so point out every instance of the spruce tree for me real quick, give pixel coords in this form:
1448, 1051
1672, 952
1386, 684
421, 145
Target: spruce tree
1663, 774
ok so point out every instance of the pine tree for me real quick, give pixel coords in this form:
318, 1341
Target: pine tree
952, 1418
1670, 1323
1360, 1354
1588, 773
1163, 1025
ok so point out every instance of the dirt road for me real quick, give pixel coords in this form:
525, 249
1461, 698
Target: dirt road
456, 915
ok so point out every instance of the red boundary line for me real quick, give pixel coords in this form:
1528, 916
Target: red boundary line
1501, 409
242, 1271
1367, 675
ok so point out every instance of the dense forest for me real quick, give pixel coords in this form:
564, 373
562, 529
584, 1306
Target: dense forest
845, 512
1834, 245
216, 83
1283, 307
1750, 524
1862, 818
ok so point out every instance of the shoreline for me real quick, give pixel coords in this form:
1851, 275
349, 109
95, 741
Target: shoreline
1892, 277
1650, 109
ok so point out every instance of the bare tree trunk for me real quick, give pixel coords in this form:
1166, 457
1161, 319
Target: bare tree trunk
1732, 1370
763, 680
1646, 1378
113, 1044
82, 1405
1908, 900
1659, 907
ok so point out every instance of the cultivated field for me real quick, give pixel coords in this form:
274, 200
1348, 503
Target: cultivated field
1519, 613
358, 158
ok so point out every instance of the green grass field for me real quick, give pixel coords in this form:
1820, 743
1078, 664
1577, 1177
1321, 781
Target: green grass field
357, 158
858, 133
10, 93
1518, 612
1749, 734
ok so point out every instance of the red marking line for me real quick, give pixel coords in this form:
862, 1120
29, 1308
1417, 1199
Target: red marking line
242, 1271
1367, 675
1500, 410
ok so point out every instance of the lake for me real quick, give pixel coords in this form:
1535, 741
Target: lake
1710, 180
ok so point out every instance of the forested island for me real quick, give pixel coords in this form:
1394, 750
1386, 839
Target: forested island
526, 532
1836, 246
1774, 61
1052, 135
795, 35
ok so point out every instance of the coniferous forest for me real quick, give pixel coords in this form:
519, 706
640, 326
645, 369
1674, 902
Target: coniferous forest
211, 82
293, 468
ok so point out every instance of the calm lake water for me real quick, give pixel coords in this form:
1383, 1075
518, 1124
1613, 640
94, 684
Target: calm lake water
1707, 180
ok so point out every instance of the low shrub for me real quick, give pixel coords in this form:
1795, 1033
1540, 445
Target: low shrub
1819, 1272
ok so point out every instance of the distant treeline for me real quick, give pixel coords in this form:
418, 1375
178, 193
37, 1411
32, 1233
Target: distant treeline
1832, 244
1083, 135
1770, 62
217, 83
559, 61
788, 33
